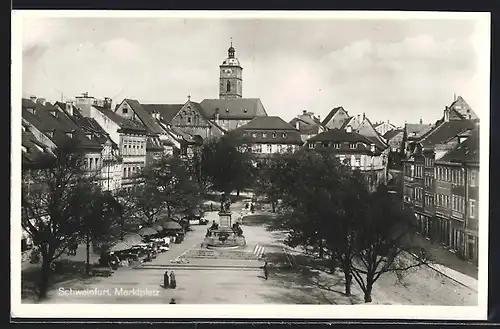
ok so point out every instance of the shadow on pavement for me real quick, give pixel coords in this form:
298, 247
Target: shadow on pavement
70, 270
306, 283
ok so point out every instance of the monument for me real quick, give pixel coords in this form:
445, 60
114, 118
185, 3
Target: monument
225, 234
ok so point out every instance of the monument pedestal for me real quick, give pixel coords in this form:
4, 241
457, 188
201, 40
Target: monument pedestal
223, 236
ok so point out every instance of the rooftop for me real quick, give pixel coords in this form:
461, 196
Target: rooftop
243, 108
467, 151
144, 116
446, 131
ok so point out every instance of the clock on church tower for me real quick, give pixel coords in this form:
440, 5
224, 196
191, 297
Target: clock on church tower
230, 81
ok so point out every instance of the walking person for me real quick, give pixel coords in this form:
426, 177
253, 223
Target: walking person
172, 301
266, 270
173, 282
166, 283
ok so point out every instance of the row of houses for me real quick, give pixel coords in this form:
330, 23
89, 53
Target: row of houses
441, 180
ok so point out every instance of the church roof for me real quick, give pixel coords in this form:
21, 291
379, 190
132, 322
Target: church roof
233, 109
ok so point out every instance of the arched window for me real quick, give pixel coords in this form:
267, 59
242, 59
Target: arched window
228, 86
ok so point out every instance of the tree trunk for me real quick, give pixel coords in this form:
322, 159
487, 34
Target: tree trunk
169, 212
238, 192
87, 247
348, 279
273, 205
368, 292
321, 248
43, 284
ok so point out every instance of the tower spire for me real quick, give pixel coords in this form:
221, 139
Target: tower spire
231, 38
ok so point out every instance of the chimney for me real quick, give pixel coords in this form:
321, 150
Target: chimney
372, 148
319, 118
304, 111
41, 101
33, 99
69, 108
348, 129
358, 118
217, 118
364, 116
387, 121
421, 122
107, 102
297, 125
446, 114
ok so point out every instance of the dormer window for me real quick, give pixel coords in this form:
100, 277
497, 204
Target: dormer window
70, 134
125, 110
254, 135
336, 145
24, 128
264, 135
31, 110
24, 148
245, 110
54, 113
88, 135
353, 145
274, 134
284, 135
227, 110
311, 145
50, 133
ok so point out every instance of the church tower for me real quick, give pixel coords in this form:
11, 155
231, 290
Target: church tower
230, 81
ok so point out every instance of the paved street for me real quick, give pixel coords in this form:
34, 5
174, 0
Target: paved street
232, 278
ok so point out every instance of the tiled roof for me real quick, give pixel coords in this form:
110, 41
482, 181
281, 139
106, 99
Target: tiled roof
378, 139
145, 117
153, 144
268, 123
60, 126
467, 151
34, 151
331, 114
345, 138
124, 123
392, 133
167, 111
308, 127
446, 131
417, 130
242, 108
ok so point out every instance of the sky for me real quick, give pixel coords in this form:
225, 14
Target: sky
396, 70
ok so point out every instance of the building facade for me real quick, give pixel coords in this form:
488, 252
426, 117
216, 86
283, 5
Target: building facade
435, 183
264, 136
356, 150
307, 124
383, 127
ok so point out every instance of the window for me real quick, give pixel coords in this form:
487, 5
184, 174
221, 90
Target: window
311, 145
284, 135
357, 162
336, 145
473, 178
258, 148
353, 145
228, 86
264, 135
124, 110
472, 208
189, 119
254, 135
274, 134
124, 172
269, 148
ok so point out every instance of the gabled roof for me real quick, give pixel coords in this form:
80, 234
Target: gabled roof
377, 139
416, 130
144, 116
467, 151
331, 114
308, 127
235, 109
392, 133
167, 111
124, 123
446, 131
60, 125
463, 109
267, 123
35, 151
341, 136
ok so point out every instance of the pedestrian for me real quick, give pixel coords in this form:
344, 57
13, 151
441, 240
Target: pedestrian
172, 301
173, 282
246, 206
266, 270
211, 206
166, 283
252, 208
